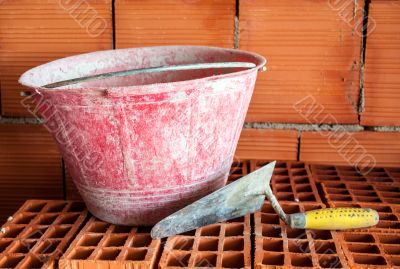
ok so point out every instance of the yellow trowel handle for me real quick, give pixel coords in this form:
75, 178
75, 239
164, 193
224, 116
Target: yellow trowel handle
339, 218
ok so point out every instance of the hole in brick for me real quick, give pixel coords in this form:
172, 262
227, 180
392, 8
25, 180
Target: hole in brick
326, 261
211, 230
392, 250
81, 253
33, 262
369, 259
13, 231
281, 179
395, 260
76, 207
68, 219
205, 260
183, 243
141, 240
233, 244
304, 188
240, 219
283, 188
389, 239
273, 259
367, 199
35, 207
4, 243
301, 260
296, 233
351, 237
297, 246
299, 172
143, 230
337, 197
24, 218
301, 180
35, 232
108, 254
47, 219
89, 240
178, 259
273, 245
381, 208
23, 246
322, 247
306, 197
321, 235
388, 224
189, 233
48, 247
391, 217
285, 196
59, 232
281, 172
208, 244
290, 209
337, 191
118, 229
363, 248
232, 260
136, 254
297, 165
328, 178
10, 261
278, 164
270, 218
267, 208
234, 229
56, 207
98, 227
116, 240
271, 231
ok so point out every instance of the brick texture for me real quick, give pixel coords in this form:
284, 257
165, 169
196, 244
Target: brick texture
267, 145
305, 58
35, 32
30, 166
361, 149
382, 65
170, 22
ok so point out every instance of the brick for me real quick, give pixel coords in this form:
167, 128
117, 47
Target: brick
182, 22
39, 232
30, 166
304, 59
238, 170
360, 149
389, 215
382, 61
361, 192
260, 144
103, 245
218, 245
38, 31
337, 173
370, 250
279, 246
291, 181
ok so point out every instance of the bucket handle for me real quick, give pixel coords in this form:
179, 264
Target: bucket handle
153, 70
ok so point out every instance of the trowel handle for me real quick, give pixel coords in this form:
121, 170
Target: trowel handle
339, 218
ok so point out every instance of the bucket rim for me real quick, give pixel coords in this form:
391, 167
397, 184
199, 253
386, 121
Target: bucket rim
25, 80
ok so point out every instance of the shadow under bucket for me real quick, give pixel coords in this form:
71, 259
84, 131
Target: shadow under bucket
140, 147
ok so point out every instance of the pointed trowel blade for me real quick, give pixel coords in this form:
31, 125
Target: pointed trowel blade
237, 199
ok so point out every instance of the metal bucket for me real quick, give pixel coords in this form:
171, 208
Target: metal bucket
141, 147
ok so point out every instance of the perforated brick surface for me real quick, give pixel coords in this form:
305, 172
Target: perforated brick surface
370, 250
222, 245
279, 246
291, 181
102, 245
238, 170
38, 233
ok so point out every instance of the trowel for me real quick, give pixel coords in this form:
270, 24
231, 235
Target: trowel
247, 195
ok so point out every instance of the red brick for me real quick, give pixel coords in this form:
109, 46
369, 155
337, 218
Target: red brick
37, 31
259, 144
39, 232
360, 149
312, 51
382, 65
170, 22
30, 166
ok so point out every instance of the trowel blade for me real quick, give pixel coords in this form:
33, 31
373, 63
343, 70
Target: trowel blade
237, 199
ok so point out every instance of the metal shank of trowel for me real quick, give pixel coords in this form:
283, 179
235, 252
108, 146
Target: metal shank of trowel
131, 72
276, 206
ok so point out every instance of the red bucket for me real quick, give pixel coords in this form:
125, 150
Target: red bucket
141, 147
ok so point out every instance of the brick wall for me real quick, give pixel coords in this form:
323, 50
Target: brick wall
330, 94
